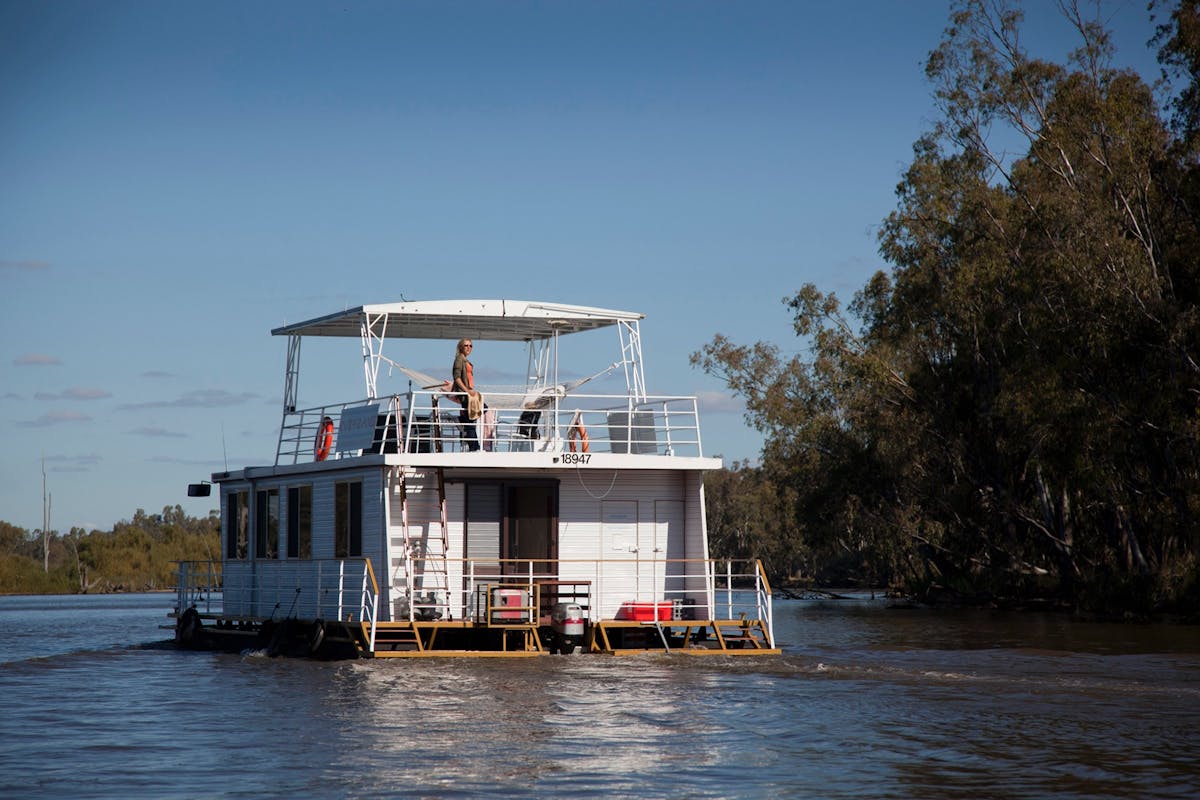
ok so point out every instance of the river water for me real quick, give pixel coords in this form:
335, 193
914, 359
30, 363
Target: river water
866, 702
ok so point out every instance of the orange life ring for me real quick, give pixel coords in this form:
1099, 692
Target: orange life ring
324, 439
577, 431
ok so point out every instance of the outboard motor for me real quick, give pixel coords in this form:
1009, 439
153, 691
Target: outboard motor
567, 620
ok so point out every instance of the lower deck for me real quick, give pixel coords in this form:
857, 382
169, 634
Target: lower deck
464, 639
609, 637
507, 616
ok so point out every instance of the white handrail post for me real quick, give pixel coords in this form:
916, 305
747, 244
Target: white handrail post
770, 621
372, 611
181, 590
341, 588
363, 594
729, 588
291, 382
320, 576
530, 601
470, 587
410, 596
667, 426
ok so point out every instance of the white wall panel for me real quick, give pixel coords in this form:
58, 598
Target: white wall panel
661, 518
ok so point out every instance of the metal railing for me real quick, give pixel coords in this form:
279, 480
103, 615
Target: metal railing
347, 590
762, 599
198, 585
431, 422
341, 589
676, 589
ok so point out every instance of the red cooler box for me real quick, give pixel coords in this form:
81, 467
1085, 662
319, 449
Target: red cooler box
646, 612
509, 605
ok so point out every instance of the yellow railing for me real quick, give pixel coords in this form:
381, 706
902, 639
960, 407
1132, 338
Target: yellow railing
369, 609
764, 600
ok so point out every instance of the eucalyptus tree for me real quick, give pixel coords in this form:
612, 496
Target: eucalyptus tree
1012, 408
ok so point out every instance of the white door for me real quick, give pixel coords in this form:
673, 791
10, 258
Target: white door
619, 578
669, 549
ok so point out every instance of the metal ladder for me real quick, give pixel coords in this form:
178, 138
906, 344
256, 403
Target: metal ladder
429, 566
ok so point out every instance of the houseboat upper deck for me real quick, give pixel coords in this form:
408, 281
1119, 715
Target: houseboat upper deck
529, 518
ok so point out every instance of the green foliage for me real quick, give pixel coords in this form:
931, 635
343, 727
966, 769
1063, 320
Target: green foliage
136, 555
1179, 42
1010, 412
750, 518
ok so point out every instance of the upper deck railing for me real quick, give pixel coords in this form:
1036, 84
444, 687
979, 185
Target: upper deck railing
511, 422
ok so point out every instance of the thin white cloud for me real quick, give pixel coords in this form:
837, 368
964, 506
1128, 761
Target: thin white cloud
207, 463
85, 393
719, 403
205, 398
75, 393
55, 418
28, 265
36, 360
499, 377
63, 463
158, 432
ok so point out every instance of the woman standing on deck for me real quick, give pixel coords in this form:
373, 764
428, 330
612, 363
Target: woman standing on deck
463, 377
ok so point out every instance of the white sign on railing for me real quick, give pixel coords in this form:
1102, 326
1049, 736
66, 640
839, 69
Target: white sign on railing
356, 429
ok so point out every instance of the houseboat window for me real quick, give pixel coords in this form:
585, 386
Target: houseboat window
299, 542
347, 519
266, 527
237, 525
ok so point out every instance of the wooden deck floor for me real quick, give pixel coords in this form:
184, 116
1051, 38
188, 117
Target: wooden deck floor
464, 639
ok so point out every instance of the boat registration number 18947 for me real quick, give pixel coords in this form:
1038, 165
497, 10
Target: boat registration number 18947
575, 458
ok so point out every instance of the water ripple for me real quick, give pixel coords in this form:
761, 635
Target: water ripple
861, 705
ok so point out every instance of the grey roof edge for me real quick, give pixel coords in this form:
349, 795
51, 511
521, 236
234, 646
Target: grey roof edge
432, 319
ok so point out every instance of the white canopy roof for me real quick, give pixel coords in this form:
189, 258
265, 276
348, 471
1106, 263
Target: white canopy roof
488, 320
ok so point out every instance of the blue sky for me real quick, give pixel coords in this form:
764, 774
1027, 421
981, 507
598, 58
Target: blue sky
177, 178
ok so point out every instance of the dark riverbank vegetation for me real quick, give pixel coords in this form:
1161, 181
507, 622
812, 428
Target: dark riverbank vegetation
1009, 413
137, 555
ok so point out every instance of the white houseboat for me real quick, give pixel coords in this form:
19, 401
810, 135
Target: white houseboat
394, 525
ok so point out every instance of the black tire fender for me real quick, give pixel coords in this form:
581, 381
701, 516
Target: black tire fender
316, 636
187, 628
279, 639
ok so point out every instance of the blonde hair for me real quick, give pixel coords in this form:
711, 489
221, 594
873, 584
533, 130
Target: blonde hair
461, 342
